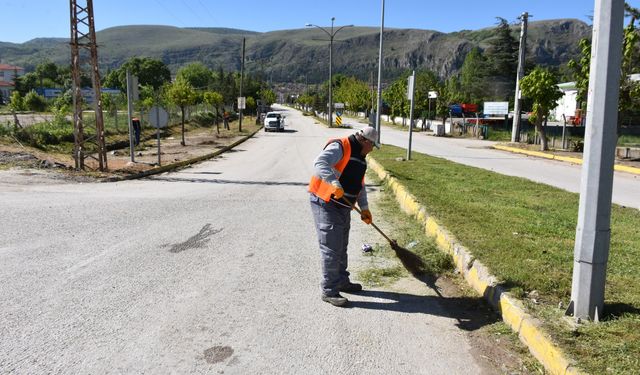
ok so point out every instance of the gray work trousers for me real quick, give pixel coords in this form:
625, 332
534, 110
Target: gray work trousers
333, 222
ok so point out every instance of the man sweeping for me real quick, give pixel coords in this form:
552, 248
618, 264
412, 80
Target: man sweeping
337, 183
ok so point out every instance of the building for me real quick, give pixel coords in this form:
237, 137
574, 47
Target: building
567, 104
7, 74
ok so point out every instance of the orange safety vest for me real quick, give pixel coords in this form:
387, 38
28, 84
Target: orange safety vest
320, 187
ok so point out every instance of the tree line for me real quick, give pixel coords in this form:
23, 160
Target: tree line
490, 75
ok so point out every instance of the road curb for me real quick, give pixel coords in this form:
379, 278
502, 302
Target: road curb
181, 164
480, 279
616, 167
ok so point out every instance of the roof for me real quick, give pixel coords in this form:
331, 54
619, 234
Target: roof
566, 86
10, 67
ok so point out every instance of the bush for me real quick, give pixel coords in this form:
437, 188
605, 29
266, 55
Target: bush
16, 102
46, 134
35, 102
204, 118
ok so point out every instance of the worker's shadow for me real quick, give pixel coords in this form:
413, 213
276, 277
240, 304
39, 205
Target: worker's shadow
471, 313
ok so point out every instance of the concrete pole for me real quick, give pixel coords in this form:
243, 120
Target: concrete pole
593, 232
515, 131
379, 103
410, 94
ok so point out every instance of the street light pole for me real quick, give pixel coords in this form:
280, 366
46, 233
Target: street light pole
330, 35
379, 93
330, 118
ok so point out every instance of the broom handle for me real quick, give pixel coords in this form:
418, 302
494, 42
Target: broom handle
375, 226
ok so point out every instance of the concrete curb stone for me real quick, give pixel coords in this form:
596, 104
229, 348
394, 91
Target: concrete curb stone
528, 328
617, 167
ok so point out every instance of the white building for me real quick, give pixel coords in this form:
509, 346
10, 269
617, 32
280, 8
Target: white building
568, 104
7, 73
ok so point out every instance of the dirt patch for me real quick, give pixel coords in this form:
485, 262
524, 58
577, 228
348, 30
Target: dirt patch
198, 142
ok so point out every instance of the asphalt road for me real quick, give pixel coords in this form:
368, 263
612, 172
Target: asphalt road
212, 269
477, 153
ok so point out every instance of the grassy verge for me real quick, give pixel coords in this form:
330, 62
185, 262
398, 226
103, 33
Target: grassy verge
524, 232
629, 141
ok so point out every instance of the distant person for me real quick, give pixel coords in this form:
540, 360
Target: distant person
136, 130
225, 119
338, 183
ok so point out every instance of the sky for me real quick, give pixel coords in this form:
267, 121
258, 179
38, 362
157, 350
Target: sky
23, 20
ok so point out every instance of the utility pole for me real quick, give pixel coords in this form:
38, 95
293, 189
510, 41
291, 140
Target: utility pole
515, 131
593, 233
83, 43
379, 102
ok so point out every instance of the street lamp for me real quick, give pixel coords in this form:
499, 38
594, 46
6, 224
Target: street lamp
331, 35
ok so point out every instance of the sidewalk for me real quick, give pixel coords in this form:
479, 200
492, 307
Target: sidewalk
629, 166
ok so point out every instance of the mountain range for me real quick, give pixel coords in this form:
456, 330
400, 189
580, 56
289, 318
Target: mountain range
302, 55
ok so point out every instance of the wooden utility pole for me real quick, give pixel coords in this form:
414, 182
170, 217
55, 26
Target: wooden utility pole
84, 54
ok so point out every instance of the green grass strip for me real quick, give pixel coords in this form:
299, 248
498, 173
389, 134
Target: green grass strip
524, 232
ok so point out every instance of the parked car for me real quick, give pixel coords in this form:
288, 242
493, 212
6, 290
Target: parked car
274, 121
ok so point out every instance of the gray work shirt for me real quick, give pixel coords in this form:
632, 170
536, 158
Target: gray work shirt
323, 168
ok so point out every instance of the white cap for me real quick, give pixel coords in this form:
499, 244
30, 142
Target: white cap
371, 134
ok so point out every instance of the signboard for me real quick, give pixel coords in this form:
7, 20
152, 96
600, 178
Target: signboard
433, 94
158, 117
410, 81
242, 102
496, 108
338, 105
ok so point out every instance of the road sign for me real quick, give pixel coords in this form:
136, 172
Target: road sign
158, 117
433, 94
338, 120
338, 105
242, 102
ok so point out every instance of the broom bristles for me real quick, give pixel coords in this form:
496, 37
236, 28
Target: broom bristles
409, 260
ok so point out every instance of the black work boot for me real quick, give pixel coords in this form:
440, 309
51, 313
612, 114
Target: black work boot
336, 300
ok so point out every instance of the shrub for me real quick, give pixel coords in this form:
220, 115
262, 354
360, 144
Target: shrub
35, 102
204, 118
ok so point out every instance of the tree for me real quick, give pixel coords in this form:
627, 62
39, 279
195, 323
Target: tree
355, 94
149, 71
628, 98
48, 71
198, 75
267, 96
216, 100
426, 81
502, 57
541, 86
181, 94
396, 97
473, 76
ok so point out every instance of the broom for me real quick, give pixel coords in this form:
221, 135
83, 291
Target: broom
409, 260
